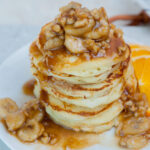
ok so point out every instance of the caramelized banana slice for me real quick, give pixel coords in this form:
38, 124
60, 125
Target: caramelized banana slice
136, 126
76, 20
74, 44
102, 28
51, 36
32, 110
133, 142
15, 120
7, 106
80, 27
31, 131
71, 5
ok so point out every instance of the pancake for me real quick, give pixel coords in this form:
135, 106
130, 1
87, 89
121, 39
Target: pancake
89, 102
82, 65
82, 127
75, 120
84, 90
76, 117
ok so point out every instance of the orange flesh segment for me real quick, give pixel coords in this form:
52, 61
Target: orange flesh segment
138, 67
141, 63
145, 78
146, 89
137, 46
140, 53
148, 112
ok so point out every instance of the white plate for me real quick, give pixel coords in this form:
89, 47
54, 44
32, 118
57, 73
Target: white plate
14, 72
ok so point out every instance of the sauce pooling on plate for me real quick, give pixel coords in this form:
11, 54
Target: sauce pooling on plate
28, 87
38, 125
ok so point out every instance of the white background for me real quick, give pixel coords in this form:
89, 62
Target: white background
37, 12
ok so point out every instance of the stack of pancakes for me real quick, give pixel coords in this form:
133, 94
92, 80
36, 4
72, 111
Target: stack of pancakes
82, 86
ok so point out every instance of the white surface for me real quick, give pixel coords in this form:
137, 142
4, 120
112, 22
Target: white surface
15, 71
38, 12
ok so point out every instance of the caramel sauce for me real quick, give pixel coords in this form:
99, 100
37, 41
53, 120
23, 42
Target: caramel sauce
57, 59
115, 43
35, 50
28, 87
44, 97
67, 138
60, 137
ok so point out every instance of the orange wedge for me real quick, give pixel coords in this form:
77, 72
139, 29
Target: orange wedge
141, 63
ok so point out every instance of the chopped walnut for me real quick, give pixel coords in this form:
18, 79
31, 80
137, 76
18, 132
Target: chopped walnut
57, 28
62, 20
45, 138
91, 45
134, 126
122, 49
72, 12
70, 20
96, 14
133, 142
96, 46
81, 23
115, 32
53, 139
135, 104
54, 43
71, 5
32, 110
83, 13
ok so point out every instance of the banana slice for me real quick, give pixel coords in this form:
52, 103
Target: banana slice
15, 120
7, 106
31, 131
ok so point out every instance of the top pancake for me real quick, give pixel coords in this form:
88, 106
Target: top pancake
61, 62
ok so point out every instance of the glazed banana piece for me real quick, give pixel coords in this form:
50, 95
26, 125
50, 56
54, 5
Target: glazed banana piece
15, 120
31, 131
7, 106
